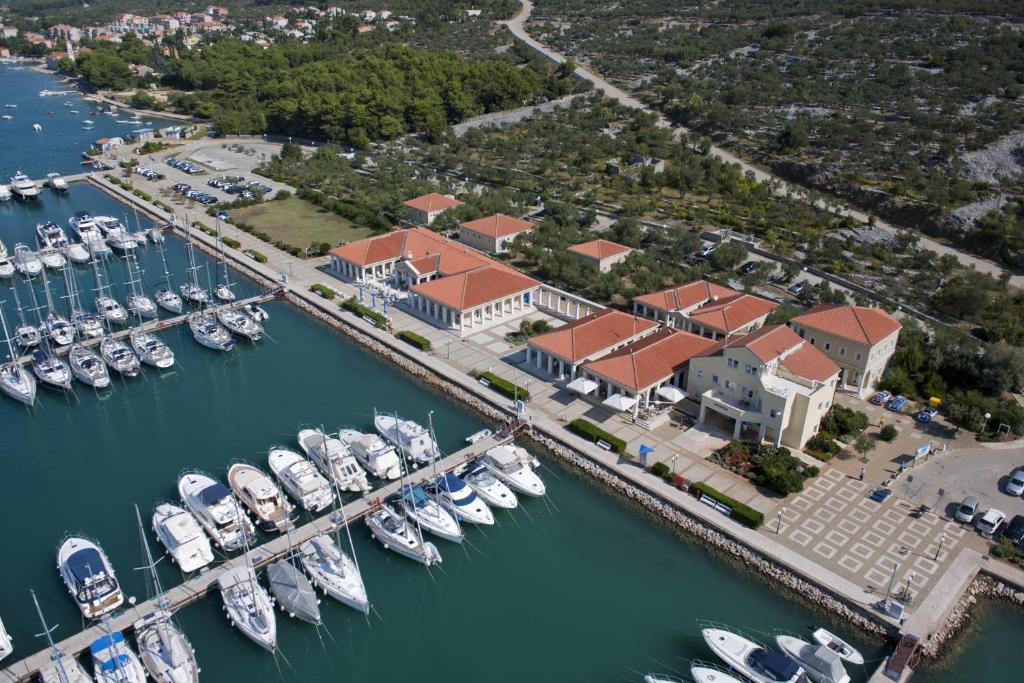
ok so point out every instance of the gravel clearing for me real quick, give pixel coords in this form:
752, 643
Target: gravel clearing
995, 160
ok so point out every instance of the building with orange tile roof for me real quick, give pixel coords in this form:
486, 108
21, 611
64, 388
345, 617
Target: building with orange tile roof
601, 253
706, 309
768, 384
492, 233
860, 340
425, 208
563, 350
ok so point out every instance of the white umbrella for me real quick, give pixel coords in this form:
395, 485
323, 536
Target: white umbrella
671, 394
582, 385
620, 402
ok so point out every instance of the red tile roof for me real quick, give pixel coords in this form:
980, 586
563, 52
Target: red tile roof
857, 323
810, 363
498, 225
772, 341
414, 245
475, 287
733, 313
592, 334
651, 359
686, 296
599, 249
432, 202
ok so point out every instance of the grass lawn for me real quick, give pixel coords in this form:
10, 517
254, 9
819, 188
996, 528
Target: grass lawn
299, 222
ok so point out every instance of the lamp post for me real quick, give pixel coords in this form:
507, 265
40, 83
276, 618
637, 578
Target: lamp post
674, 463
778, 522
892, 579
942, 540
988, 416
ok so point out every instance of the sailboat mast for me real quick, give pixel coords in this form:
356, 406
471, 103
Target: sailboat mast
35, 300
7, 336
17, 303
148, 556
401, 485
48, 632
340, 507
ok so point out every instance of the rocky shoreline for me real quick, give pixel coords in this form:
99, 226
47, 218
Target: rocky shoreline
983, 587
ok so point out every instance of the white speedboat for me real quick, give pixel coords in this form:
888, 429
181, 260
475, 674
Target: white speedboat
821, 663
167, 300
334, 459
76, 253
142, 306
23, 186
239, 323
248, 606
210, 333
111, 310
224, 293
18, 383
300, 479
509, 464
181, 534
429, 515
89, 577
26, 262
107, 224
846, 652
120, 357
164, 649
49, 234
51, 371
6, 644
257, 313
7, 268
56, 182
412, 440
478, 436
152, 350
114, 662
51, 258
702, 672
193, 293
260, 495
87, 367
459, 499
379, 458
216, 510
121, 240
755, 662
59, 329
334, 572
397, 535
293, 592
480, 479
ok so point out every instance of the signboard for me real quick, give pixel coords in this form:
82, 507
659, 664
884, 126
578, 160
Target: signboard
923, 450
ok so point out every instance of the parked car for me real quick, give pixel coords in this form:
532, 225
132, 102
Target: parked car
990, 522
966, 511
1014, 531
215, 182
1015, 484
748, 267
181, 188
250, 253
881, 398
797, 287
706, 250
260, 187
927, 415
897, 404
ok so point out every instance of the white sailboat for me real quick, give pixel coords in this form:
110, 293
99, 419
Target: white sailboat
60, 331
334, 459
139, 305
293, 591
109, 308
62, 668
181, 535
216, 510
223, 291
248, 607
120, 357
89, 325
87, 367
51, 370
413, 440
51, 258
25, 333
15, 380
113, 661
261, 496
7, 268
379, 458
240, 324
6, 643
89, 577
192, 291
151, 350
300, 479
209, 333
396, 534
510, 465
164, 294
25, 260
334, 572
5, 193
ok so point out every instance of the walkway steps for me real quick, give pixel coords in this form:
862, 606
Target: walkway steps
197, 587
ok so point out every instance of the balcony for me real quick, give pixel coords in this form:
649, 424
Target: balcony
726, 404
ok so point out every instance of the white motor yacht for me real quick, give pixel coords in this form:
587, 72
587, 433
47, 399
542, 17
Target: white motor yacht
846, 652
111, 310
7, 268
399, 536
107, 224
168, 300
121, 240
51, 257
164, 649
18, 383
23, 186
239, 323
6, 644
56, 182
334, 459
120, 357
84, 225
89, 577
300, 479
87, 367
25, 260
193, 293
822, 664
76, 253
151, 350
114, 662
210, 333
661, 678
334, 572
49, 234
59, 329
459, 499
51, 371
181, 534
260, 495
753, 661
216, 509
428, 514
411, 439
480, 479
509, 464
379, 458
702, 672
248, 606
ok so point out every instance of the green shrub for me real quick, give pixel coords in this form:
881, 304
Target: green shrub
822, 444
352, 304
323, 291
282, 194
258, 257
589, 430
888, 433
142, 195
504, 387
777, 470
413, 339
231, 242
843, 421
819, 455
660, 469
744, 514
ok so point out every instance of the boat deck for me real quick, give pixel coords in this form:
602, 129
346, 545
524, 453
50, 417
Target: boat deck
197, 587
156, 325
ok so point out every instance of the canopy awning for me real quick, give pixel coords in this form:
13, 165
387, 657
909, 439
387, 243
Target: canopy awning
671, 394
620, 402
582, 385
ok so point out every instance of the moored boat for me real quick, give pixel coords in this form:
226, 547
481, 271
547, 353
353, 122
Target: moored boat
293, 591
428, 514
411, 439
248, 606
821, 663
22, 185
460, 500
379, 458
334, 572
399, 536
209, 333
25, 261
114, 662
260, 495
846, 652
334, 459
240, 324
50, 370
216, 509
180, 533
300, 479
119, 357
151, 350
87, 367
509, 464
754, 661
89, 577
479, 478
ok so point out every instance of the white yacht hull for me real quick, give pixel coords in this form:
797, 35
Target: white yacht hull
183, 537
405, 543
248, 606
165, 651
333, 571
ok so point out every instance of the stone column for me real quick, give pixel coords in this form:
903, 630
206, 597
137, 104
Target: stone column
737, 429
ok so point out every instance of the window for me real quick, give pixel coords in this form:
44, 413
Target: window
827, 346
773, 413
714, 378
812, 341
750, 393
750, 370
842, 350
732, 362
800, 331
857, 356
700, 373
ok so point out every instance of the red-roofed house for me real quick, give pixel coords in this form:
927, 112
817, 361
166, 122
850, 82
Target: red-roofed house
706, 309
425, 208
563, 350
769, 384
860, 340
492, 233
601, 253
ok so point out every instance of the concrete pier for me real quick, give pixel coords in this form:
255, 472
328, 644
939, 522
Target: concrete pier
197, 587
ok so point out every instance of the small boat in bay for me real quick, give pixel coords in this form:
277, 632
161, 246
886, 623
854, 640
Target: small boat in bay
846, 652
61, 667
379, 458
51, 371
751, 659
25, 261
240, 324
703, 672
822, 664
480, 479
6, 644
428, 514
56, 182
114, 662
216, 509
411, 439
460, 500
89, 577
248, 606
334, 459
151, 350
